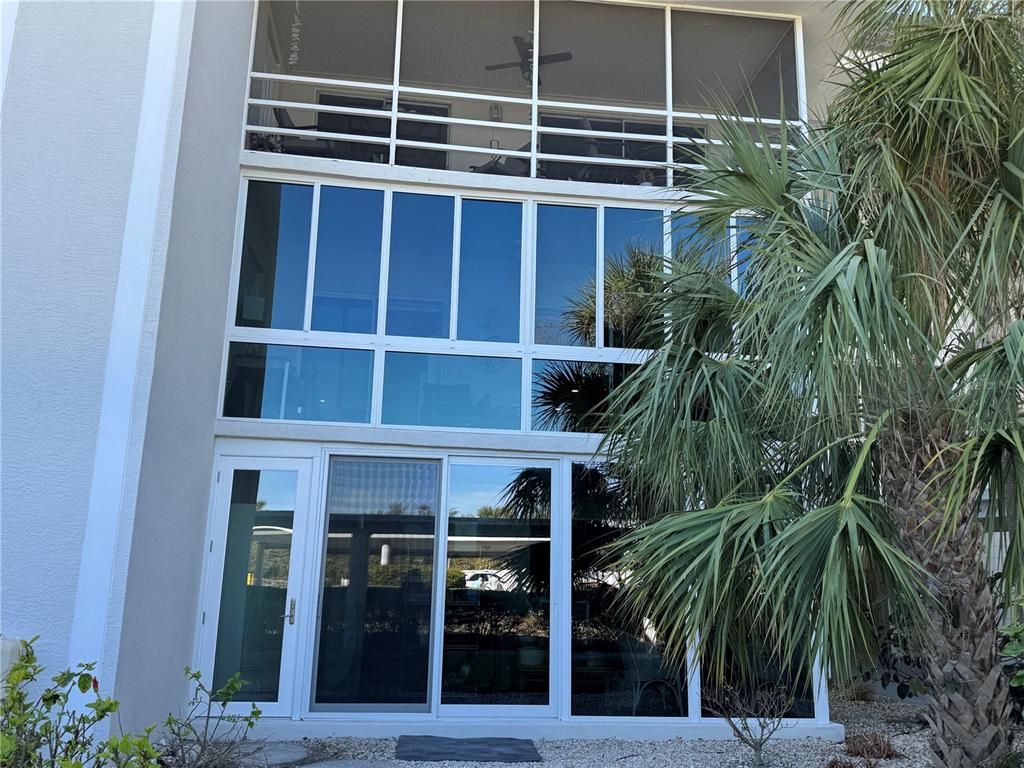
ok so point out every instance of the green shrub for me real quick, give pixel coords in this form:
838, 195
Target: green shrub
54, 729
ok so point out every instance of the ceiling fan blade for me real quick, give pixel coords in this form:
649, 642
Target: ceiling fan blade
523, 48
552, 58
509, 65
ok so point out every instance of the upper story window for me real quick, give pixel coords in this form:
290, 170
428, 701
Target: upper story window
440, 307
557, 89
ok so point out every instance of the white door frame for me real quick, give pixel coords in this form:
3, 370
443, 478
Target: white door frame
226, 467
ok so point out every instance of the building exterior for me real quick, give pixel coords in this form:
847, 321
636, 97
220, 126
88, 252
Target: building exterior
304, 307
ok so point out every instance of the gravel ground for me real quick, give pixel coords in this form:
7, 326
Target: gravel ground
898, 720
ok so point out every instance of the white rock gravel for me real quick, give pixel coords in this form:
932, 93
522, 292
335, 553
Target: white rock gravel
900, 721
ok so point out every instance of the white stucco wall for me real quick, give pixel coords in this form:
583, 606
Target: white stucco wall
173, 498
68, 136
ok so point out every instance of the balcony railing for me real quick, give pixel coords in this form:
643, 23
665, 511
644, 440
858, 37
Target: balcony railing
593, 133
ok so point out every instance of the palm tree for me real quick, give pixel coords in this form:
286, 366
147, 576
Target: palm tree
839, 450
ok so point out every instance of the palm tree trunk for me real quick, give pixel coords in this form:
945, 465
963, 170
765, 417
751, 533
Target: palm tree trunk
968, 696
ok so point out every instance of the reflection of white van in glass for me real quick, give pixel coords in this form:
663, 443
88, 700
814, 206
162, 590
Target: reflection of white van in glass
488, 580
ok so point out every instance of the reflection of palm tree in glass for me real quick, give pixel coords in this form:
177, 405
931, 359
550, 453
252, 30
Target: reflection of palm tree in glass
567, 394
629, 278
601, 513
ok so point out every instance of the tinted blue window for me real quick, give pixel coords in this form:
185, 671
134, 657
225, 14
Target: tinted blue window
628, 229
304, 383
420, 269
634, 240
566, 269
348, 243
489, 255
682, 229
451, 391
275, 254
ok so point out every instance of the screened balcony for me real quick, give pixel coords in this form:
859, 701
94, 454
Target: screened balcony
553, 89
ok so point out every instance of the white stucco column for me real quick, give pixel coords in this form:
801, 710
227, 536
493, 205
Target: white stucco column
99, 603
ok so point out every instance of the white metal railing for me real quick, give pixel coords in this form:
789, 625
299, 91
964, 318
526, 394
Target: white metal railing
524, 136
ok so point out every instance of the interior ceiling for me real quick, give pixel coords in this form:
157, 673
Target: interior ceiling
618, 51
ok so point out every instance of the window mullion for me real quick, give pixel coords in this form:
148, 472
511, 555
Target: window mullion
599, 339
453, 317
307, 312
528, 258
377, 389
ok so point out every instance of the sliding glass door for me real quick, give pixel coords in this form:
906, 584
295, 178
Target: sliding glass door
496, 647
373, 648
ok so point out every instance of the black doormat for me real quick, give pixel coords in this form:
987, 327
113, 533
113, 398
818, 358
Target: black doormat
495, 750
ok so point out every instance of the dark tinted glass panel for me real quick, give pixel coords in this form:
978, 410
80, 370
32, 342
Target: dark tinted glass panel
498, 586
739, 60
374, 644
327, 120
420, 268
484, 47
602, 174
275, 254
619, 668
351, 40
348, 245
566, 270
312, 146
598, 53
268, 381
567, 394
490, 248
634, 240
254, 591
770, 677
451, 391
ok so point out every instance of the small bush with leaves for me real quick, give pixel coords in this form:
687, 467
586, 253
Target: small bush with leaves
203, 734
50, 730
1011, 651
871, 746
54, 729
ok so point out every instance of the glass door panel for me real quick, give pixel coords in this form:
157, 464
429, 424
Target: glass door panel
497, 599
374, 645
254, 578
619, 667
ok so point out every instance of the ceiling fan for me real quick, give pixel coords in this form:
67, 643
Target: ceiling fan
525, 63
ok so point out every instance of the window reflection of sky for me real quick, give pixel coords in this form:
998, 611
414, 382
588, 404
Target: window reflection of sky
474, 486
420, 268
349, 232
277, 489
566, 266
451, 391
635, 227
489, 257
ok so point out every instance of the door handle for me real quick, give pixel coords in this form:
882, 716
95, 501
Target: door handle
291, 612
